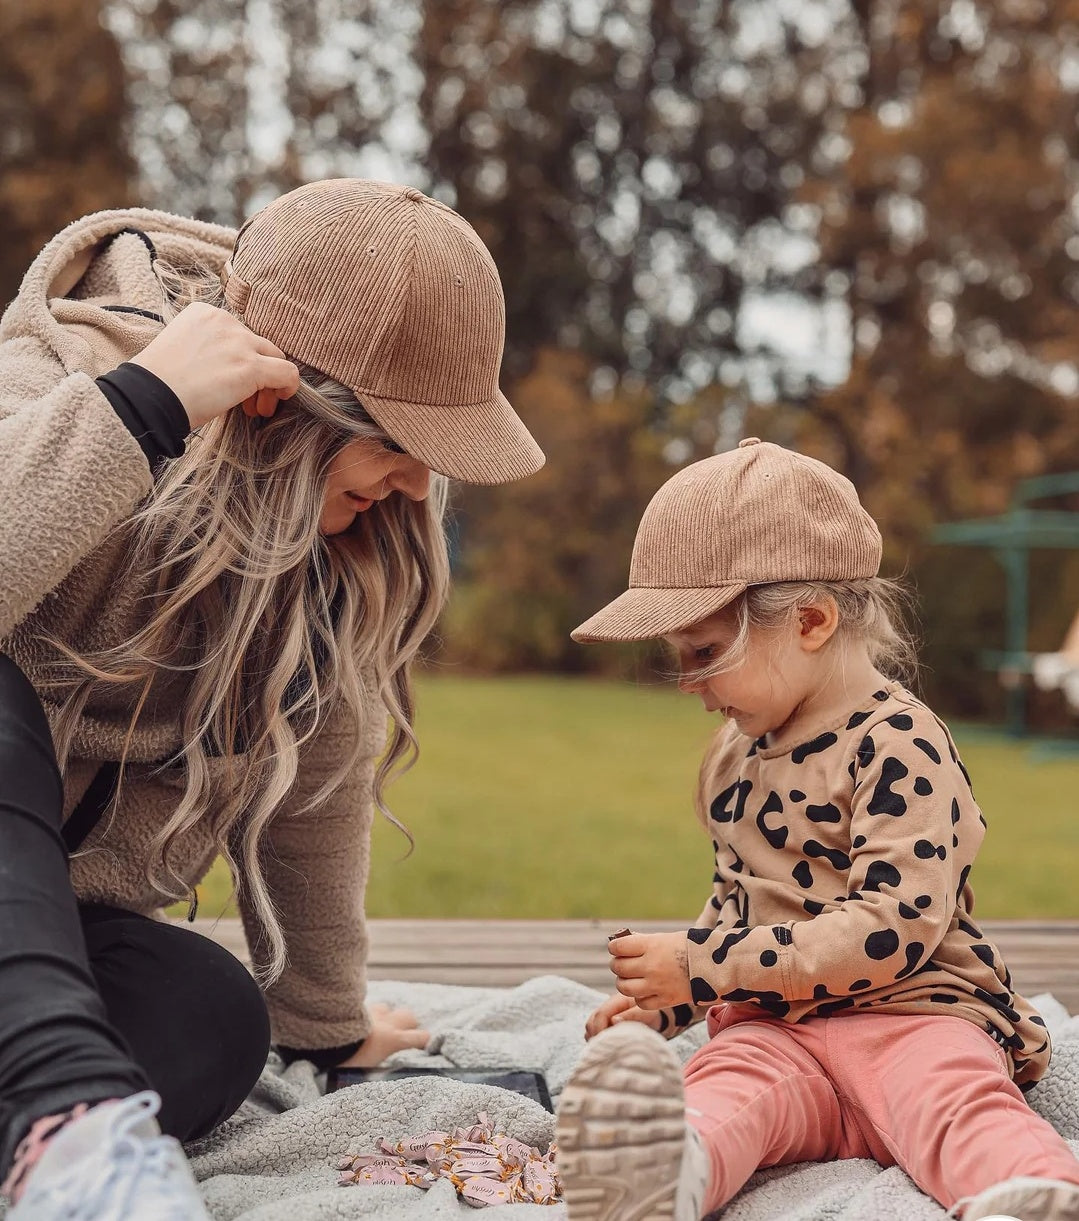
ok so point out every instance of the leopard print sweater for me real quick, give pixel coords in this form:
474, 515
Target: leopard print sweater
841, 881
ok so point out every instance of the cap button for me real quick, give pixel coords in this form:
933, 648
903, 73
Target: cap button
413, 194
749, 441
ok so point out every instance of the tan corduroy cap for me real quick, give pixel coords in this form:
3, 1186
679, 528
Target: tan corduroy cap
394, 295
758, 514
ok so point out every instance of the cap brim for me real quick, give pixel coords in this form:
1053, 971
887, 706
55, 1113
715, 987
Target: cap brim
645, 614
476, 442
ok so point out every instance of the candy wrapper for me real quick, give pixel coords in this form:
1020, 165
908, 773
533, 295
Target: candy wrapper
485, 1168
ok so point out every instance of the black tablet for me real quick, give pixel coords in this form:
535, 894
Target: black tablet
521, 1081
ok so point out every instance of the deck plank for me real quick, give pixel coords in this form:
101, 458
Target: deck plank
1043, 955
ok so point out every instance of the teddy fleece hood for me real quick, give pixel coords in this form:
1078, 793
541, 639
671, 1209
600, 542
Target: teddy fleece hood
91, 297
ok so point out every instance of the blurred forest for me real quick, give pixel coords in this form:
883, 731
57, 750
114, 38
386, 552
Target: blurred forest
846, 225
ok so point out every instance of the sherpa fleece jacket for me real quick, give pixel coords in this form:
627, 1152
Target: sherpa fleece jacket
841, 881
71, 474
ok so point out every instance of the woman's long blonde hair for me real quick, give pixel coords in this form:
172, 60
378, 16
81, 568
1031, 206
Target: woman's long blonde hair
276, 625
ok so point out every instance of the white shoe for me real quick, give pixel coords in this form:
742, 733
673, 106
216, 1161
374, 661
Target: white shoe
112, 1164
625, 1151
1025, 1200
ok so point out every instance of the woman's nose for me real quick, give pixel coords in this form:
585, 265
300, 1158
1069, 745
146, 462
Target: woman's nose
413, 479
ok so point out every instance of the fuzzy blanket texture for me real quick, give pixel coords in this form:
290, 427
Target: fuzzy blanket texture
275, 1159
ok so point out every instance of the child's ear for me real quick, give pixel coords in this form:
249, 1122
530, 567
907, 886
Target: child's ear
817, 624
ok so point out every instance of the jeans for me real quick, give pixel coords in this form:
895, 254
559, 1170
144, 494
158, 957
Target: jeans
96, 1002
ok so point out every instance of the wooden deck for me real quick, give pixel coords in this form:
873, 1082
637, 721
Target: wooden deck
1042, 956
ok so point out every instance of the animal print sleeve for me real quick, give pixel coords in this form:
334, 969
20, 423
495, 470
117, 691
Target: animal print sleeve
720, 910
913, 834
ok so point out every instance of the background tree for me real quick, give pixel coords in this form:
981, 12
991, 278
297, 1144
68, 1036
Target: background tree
63, 126
843, 224
550, 550
954, 223
633, 168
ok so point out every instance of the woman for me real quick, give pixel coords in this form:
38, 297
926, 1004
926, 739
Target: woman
201, 641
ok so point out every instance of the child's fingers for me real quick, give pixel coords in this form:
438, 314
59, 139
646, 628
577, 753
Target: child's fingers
636, 1014
632, 946
633, 988
602, 1017
626, 968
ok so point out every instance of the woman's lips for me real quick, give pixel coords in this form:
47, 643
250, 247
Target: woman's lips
359, 503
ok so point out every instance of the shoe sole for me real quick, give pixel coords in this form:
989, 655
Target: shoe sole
1046, 1199
621, 1128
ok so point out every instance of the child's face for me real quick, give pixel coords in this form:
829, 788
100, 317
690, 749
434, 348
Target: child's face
766, 689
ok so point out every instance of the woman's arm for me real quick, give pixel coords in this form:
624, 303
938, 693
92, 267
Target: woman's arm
71, 468
70, 471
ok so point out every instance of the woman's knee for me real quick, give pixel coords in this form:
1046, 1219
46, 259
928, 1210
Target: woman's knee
195, 1020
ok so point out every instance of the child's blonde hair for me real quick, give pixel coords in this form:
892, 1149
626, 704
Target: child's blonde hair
872, 611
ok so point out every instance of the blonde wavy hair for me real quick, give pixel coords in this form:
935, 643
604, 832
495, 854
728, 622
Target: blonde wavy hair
275, 624
871, 612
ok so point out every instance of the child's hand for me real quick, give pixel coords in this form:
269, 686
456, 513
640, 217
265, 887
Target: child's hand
652, 968
616, 1009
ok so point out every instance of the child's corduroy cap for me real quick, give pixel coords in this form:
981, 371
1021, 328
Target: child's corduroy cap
753, 516
394, 295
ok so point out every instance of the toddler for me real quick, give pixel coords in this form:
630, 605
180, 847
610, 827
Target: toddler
854, 1006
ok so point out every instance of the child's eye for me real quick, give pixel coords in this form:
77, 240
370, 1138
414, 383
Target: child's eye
393, 447
704, 653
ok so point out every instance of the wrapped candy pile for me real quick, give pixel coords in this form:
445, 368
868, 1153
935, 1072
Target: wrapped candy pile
484, 1168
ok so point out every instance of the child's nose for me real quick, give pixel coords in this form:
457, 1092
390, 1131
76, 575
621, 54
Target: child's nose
689, 682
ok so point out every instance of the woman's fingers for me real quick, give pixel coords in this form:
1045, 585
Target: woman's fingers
387, 1015
265, 403
211, 361
413, 1039
276, 373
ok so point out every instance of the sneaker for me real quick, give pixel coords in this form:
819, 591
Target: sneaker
112, 1164
1025, 1200
625, 1151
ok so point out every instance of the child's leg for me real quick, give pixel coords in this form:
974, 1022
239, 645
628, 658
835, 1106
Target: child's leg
625, 1152
758, 1098
752, 1096
938, 1093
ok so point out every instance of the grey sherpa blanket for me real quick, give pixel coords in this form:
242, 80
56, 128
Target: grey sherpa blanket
274, 1160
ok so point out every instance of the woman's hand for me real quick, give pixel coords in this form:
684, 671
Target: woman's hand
616, 1009
212, 362
652, 968
391, 1030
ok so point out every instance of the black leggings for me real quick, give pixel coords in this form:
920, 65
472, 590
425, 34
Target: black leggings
95, 1002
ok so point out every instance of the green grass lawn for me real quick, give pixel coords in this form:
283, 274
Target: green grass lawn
554, 797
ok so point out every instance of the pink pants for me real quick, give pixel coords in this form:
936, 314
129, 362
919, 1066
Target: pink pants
931, 1095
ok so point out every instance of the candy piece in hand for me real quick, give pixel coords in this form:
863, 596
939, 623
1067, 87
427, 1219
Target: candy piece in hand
622, 932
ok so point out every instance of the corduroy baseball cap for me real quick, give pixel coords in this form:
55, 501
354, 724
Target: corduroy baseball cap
757, 514
394, 295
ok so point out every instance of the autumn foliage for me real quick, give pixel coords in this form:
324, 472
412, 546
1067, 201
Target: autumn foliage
646, 176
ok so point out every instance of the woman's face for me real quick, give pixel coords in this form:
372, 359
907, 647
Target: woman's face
366, 471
